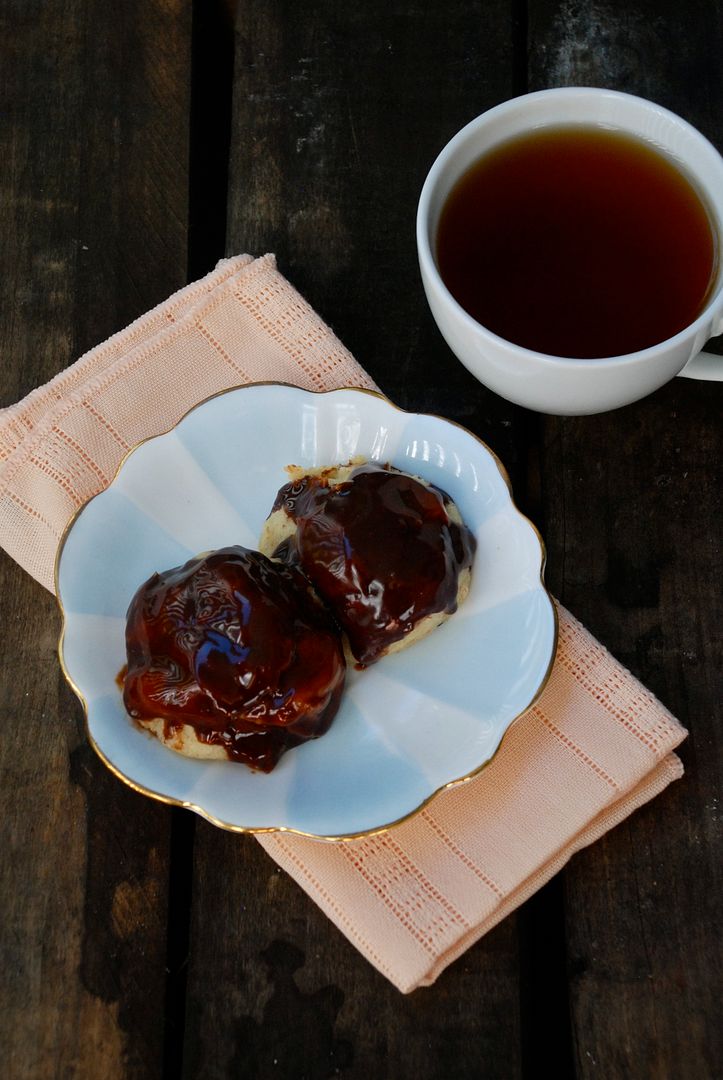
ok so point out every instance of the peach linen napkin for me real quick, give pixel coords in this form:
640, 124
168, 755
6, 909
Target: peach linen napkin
595, 746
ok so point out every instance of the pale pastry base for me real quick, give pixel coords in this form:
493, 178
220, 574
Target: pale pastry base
184, 741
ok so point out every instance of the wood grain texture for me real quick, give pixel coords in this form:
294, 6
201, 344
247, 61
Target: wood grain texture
338, 113
275, 990
643, 906
93, 189
633, 511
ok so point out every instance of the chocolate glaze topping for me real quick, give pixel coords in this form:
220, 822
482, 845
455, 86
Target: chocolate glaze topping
380, 549
236, 646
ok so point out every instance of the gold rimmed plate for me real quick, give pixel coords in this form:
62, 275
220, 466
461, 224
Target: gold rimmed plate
414, 723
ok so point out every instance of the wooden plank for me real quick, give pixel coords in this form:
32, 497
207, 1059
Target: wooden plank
274, 989
632, 504
338, 114
642, 906
93, 148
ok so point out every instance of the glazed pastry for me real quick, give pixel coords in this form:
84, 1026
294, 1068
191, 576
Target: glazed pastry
387, 552
232, 656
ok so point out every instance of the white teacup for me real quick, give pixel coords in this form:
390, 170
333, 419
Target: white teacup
554, 384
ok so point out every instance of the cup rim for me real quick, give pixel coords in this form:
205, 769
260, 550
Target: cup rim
713, 308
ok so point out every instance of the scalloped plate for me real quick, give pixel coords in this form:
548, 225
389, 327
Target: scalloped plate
414, 723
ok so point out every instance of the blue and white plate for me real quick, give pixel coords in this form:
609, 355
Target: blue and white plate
414, 723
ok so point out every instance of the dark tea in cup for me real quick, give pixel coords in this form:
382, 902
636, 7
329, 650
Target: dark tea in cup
578, 241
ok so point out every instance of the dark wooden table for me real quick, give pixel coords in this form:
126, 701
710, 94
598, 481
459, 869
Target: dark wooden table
139, 142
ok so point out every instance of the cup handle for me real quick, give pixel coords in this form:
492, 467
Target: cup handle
706, 366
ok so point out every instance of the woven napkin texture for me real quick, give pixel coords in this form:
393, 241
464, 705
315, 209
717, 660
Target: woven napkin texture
594, 747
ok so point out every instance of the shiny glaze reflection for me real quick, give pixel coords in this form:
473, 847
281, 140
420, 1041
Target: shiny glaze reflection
237, 647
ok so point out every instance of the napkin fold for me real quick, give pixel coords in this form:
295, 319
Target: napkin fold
594, 747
